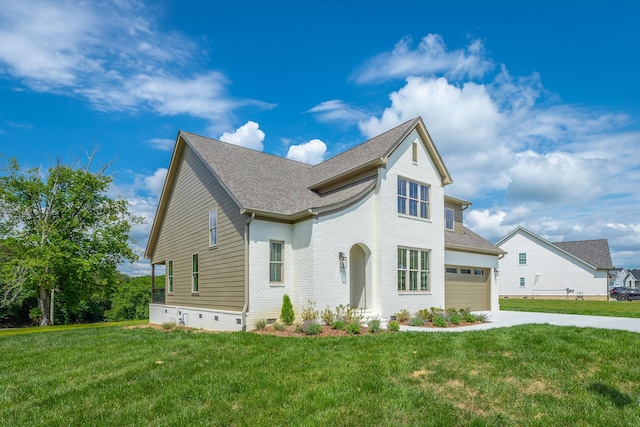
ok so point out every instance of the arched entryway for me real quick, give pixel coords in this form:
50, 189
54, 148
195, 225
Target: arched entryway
360, 282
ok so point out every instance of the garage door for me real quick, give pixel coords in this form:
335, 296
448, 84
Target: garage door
467, 287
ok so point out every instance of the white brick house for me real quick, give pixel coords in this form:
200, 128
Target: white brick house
237, 229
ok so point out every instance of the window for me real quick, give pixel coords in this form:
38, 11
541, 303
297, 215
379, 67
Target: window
478, 272
465, 271
522, 258
414, 152
448, 218
413, 270
213, 227
275, 262
195, 286
415, 201
170, 277
522, 282
452, 270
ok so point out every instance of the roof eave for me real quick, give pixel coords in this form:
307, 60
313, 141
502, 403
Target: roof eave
463, 248
355, 171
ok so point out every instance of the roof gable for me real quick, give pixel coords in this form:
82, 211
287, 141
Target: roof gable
594, 253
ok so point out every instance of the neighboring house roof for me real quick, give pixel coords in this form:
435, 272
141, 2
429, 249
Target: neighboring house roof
283, 189
635, 273
467, 240
594, 253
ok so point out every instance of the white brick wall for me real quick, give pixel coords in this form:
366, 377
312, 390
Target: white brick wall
193, 317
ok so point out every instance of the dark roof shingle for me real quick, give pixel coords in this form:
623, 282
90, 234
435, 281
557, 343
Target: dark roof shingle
593, 252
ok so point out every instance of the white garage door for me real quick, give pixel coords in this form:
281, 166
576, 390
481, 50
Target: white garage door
467, 287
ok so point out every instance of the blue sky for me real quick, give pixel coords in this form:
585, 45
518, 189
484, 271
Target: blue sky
533, 105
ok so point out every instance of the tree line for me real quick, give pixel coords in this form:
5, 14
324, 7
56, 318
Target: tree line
62, 237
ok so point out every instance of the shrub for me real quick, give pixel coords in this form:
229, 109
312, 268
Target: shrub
168, 325
416, 321
373, 326
455, 318
424, 314
311, 328
393, 325
327, 316
440, 321
261, 324
35, 314
468, 316
353, 328
279, 326
286, 313
341, 312
309, 313
338, 324
480, 317
403, 315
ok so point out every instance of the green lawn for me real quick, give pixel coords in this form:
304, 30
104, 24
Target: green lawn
572, 306
522, 376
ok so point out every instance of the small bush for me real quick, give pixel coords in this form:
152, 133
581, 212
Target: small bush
403, 315
480, 317
354, 328
168, 325
298, 329
455, 319
440, 321
338, 324
353, 315
416, 321
468, 316
286, 313
35, 314
424, 314
279, 326
393, 325
373, 326
261, 324
311, 328
309, 313
327, 316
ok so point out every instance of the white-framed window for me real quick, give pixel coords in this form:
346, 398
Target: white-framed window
195, 282
413, 198
170, 276
413, 270
213, 227
478, 272
522, 282
465, 271
452, 270
522, 258
276, 261
448, 218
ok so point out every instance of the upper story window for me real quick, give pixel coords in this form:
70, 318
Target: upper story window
413, 198
522, 258
213, 227
275, 262
170, 277
413, 270
448, 218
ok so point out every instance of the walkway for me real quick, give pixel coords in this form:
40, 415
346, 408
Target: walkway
503, 319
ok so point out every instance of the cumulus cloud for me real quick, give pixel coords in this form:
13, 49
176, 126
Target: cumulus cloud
311, 152
429, 58
336, 110
155, 182
248, 135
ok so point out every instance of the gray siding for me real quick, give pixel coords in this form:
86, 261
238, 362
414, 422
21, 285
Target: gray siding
185, 231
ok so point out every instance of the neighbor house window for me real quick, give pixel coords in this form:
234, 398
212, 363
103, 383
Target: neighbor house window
413, 270
213, 227
452, 270
522, 282
522, 258
170, 276
413, 198
275, 262
465, 270
195, 286
448, 218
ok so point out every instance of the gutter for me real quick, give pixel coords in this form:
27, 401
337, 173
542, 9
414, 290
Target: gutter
245, 307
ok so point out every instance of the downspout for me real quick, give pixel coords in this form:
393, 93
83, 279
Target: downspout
245, 308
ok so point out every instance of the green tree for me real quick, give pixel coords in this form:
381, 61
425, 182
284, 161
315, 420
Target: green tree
130, 300
286, 312
69, 235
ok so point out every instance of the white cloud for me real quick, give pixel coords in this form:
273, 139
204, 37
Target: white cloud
311, 152
429, 58
336, 110
162, 144
155, 182
248, 135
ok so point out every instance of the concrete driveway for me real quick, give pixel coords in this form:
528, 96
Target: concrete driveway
503, 319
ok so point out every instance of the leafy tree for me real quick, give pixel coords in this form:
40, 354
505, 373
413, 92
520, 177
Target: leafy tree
67, 233
130, 300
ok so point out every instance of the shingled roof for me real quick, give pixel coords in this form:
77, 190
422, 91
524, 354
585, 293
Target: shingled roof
467, 240
593, 252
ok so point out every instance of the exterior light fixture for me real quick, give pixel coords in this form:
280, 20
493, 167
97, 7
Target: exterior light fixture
343, 260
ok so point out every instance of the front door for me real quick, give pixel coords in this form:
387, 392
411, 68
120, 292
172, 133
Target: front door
358, 276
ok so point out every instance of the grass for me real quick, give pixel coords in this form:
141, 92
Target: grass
55, 328
531, 375
572, 306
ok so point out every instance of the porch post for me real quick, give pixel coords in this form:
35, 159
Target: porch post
153, 281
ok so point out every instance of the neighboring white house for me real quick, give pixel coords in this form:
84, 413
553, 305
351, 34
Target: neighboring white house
236, 229
616, 277
632, 279
536, 267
